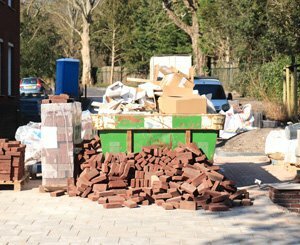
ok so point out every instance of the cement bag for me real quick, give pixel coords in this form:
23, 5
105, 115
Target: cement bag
30, 135
87, 130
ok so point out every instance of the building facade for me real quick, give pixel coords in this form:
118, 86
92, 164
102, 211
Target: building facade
9, 47
9, 66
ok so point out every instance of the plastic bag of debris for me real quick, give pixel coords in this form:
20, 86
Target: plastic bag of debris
30, 135
236, 122
87, 130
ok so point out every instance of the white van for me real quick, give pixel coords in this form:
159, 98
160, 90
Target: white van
214, 91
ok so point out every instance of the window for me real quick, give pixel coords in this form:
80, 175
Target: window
9, 67
1, 65
216, 91
10, 3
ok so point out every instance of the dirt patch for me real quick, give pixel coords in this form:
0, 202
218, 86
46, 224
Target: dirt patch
247, 142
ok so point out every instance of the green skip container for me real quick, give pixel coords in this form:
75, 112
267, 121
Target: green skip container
130, 132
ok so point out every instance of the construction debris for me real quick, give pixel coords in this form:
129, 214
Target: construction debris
180, 178
175, 89
12, 154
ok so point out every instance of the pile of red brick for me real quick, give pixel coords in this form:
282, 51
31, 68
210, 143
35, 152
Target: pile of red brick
62, 98
180, 178
12, 155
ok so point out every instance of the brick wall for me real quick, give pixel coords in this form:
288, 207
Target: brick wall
10, 40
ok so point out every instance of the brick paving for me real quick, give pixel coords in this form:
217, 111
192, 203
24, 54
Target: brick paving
30, 217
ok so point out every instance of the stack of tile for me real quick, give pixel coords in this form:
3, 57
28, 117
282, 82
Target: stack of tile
60, 130
12, 155
180, 178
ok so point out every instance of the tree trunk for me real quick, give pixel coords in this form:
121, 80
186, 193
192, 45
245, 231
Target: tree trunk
195, 36
198, 56
113, 53
86, 54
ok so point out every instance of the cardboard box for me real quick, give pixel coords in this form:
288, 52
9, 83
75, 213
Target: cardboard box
193, 104
176, 85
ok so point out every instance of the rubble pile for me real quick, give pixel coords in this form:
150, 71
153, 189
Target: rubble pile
12, 154
180, 178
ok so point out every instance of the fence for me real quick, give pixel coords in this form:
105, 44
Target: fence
228, 76
120, 74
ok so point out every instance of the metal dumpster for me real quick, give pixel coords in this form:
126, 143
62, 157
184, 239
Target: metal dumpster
130, 132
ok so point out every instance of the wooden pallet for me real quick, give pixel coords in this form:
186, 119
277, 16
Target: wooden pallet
17, 184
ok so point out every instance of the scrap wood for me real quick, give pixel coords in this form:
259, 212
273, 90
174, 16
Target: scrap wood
182, 178
137, 80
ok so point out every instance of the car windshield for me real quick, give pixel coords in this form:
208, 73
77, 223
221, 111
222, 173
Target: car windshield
216, 91
29, 81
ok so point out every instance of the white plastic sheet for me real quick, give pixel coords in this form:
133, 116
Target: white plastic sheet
276, 142
30, 135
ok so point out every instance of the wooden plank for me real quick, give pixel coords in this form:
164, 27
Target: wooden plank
129, 141
188, 135
137, 80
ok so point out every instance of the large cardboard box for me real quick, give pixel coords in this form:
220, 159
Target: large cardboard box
193, 104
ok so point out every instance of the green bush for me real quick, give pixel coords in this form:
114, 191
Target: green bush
263, 81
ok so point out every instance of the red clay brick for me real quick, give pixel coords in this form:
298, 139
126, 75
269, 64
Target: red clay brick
188, 205
112, 205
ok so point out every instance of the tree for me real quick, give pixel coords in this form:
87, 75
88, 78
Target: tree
85, 9
39, 41
113, 27
67, 28
151, 33
177, 12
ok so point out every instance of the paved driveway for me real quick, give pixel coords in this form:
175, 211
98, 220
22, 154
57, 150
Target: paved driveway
30, 217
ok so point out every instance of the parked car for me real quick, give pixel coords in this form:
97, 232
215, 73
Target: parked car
34, 85
214, 90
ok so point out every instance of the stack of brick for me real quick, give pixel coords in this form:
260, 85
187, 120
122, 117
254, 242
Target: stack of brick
286, 195
62, 98
60, 130
180, 178
12, 154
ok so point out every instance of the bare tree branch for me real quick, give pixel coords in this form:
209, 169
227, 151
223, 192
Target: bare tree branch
66, 22
183, 26
95, 4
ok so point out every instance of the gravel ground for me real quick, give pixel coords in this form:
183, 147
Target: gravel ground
246, 142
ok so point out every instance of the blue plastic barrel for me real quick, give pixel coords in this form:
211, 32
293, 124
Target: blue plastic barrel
67, 77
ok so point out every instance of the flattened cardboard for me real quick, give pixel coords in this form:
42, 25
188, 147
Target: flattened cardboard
176, 85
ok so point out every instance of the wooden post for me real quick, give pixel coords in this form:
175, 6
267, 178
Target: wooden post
188, 136
129, 141
294, 90
284, 90
288, 89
